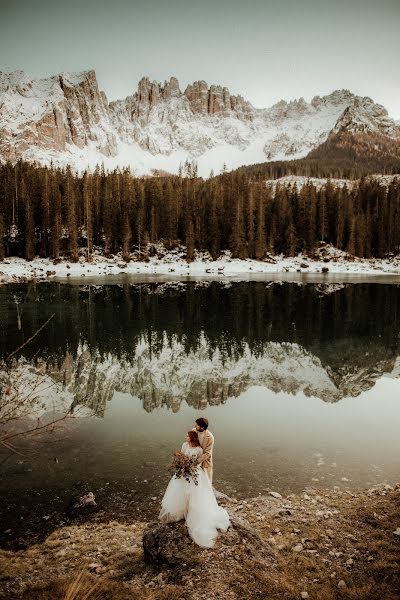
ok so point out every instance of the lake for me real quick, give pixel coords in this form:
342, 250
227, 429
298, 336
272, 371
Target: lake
300, 382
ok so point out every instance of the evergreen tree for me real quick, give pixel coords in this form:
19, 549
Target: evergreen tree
70, 200
107, 215
323, 216
213, 225
260, 245
88, 212
140, 218
341, 217
169, 215
237, 240
250, 222
127, 197
56, 230
311, 225
351, 246
29, 231
190, 241
291, 240
45, 210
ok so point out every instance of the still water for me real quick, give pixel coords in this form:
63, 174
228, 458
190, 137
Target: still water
300, 383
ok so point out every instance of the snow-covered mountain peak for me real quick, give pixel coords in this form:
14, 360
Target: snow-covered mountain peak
74, 79
68, 120
335, 98
14, 79
363, 115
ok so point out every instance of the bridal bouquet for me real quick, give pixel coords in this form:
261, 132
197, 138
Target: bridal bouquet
183, 466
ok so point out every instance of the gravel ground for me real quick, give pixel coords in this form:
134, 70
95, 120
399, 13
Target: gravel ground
322, 544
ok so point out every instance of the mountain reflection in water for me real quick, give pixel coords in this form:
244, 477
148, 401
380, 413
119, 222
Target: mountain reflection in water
203, 343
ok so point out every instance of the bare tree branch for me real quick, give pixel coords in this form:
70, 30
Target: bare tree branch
36, 429
13, 449
31, 338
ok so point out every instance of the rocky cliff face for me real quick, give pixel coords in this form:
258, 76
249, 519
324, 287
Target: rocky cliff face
50, 115
217, 100
68, 120
162, 120
198, 98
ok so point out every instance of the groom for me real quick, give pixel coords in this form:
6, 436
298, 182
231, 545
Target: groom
206, 440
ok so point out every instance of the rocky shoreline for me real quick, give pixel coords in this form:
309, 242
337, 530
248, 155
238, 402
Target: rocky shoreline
322, 544
16, 270
160, 262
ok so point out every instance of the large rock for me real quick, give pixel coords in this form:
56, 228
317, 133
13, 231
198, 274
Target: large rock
82, 503
170, 544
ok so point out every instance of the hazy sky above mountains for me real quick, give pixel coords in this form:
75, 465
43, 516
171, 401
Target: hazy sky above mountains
263, 49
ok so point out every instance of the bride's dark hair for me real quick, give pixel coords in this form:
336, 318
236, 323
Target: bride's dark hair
193, 439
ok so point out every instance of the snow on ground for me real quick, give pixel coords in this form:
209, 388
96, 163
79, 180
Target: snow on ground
173, 263
143, 162
299, 181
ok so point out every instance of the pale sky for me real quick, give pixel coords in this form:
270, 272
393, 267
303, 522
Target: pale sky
266, 50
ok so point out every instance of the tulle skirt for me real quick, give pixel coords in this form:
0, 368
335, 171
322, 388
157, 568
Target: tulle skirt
197, 505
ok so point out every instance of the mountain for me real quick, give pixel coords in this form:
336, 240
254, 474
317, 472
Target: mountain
68, 120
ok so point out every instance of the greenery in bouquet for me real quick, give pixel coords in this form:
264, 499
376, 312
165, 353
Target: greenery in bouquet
184, 467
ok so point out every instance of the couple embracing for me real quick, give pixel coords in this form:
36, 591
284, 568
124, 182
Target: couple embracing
193, 499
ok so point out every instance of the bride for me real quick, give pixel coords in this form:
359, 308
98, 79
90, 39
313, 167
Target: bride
194, 503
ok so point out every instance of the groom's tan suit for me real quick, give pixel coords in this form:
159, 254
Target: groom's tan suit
206, 440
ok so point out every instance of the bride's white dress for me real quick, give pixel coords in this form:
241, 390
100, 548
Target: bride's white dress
194, 503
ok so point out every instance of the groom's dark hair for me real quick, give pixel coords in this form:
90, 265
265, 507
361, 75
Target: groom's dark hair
202, 422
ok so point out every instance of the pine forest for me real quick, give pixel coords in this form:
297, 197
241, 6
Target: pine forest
49, 212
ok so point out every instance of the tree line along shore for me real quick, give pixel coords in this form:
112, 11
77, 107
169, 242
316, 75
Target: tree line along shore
52, 213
